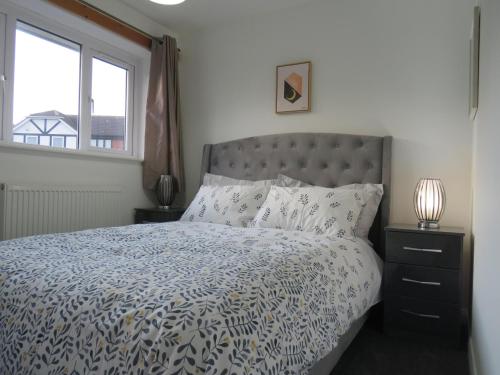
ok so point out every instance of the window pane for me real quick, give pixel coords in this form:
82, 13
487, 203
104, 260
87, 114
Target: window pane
57, 142
31, 140
109, 104
46, 86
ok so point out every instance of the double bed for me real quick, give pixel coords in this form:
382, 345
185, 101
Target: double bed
194, 297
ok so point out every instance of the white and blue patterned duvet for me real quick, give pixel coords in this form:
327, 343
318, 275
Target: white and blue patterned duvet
177, 299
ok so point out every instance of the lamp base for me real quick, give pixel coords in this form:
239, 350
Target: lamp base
428, 225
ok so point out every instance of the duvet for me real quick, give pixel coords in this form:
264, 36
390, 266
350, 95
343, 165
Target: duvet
179, 298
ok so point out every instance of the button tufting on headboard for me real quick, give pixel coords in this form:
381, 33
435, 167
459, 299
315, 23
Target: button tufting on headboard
318, 158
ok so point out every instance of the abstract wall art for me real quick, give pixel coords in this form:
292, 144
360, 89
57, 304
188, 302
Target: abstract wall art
293, 86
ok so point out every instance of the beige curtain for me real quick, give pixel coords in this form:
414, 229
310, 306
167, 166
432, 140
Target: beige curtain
162, 148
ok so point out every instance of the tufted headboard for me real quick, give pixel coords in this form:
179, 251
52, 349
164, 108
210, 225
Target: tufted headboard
324, 159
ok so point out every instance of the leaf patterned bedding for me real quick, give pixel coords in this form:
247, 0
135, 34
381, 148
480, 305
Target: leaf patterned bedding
179, 298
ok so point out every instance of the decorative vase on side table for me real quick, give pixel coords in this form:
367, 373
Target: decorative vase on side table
165, 191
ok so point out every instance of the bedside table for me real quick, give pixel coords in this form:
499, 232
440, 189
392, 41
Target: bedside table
157, 215
423, 281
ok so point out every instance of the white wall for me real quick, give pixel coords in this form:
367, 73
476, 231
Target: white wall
486, 298
127, 14
380, 67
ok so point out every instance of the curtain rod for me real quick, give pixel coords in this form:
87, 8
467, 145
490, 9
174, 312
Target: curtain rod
108, 21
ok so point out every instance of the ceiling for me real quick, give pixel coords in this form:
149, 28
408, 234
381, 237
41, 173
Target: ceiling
197, 14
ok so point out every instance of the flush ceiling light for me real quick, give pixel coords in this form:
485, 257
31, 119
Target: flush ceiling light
168, 2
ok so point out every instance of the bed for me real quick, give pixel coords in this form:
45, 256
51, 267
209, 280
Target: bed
187, 298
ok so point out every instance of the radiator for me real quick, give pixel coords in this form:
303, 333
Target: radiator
27, 210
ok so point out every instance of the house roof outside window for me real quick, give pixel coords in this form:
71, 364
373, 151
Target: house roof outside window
102, 126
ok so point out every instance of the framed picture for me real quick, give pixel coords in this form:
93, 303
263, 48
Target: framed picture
293, 87
474, 65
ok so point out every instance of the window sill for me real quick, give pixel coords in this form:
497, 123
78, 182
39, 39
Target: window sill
74, 154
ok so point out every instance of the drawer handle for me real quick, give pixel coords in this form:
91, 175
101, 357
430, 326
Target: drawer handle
422, 250
433, 283
427, 316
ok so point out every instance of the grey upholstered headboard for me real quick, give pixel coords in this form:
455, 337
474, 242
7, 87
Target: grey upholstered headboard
323, 159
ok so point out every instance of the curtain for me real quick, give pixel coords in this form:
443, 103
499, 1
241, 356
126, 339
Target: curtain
162, 148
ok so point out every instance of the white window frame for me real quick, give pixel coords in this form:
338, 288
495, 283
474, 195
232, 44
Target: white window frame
90, 47
129, 112
3, 21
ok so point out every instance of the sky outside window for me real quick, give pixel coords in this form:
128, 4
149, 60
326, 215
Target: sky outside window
109, 102
47, 73
47, 77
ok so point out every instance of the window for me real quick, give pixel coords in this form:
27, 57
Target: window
109, 103
31, 139
66, 90
58, 142
2, 67
103, 143
46, 84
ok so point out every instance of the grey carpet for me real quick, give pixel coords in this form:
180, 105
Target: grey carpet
372, 353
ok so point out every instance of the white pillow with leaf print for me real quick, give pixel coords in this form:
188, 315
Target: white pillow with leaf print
234, 205
373, 196
332, 212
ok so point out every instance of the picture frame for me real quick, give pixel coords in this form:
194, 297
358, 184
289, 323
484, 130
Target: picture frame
293, 87
474, 64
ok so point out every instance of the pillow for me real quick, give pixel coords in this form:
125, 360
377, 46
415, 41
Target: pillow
234, 205
373, 195
218, 180
332, 212
286, 181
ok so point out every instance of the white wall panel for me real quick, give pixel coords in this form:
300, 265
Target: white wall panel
485, 297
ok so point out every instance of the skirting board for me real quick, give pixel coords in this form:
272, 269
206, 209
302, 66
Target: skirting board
472, 358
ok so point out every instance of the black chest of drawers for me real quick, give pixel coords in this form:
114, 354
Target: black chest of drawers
423, 282
157, 215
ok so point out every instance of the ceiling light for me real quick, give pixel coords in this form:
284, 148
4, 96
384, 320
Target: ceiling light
168, 2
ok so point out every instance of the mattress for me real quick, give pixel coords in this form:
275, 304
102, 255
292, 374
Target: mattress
180, 298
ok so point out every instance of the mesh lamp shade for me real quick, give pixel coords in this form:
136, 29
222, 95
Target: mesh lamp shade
429, 201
